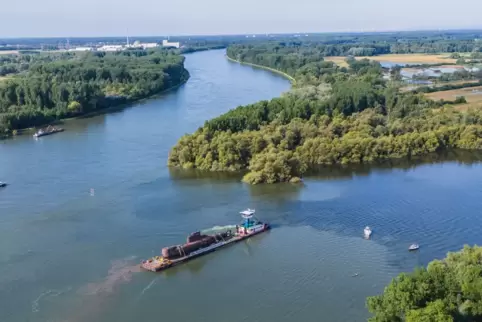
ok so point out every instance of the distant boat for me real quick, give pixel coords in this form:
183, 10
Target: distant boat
3, 184
49, 130
413, 247
367, 232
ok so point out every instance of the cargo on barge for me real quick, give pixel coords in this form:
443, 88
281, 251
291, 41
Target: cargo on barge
199, 244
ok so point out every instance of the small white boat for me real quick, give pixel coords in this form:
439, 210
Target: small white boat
39, 133
367, 232
413, 247
3, 184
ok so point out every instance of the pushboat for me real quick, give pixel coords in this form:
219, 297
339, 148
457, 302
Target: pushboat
199, 243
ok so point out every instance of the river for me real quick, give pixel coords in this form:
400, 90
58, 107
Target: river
69, 254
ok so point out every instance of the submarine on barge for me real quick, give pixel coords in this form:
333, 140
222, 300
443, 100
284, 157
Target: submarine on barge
200, 243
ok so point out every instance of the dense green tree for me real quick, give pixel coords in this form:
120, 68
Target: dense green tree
56, 86
333, 115
447, 290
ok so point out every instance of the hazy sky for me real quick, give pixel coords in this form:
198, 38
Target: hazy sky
67, 18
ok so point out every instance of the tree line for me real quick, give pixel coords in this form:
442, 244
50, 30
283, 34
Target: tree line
14, 64
334, 116
59, 86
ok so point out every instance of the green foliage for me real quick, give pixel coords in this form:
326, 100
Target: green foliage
57, 86
334, 116
434, 312
74, 107
448, 290
277, 152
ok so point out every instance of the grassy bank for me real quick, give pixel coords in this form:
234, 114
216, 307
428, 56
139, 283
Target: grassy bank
292, 80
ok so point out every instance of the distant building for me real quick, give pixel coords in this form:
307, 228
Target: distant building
139, 45
111, 48
166, 43
82, 49
150, 45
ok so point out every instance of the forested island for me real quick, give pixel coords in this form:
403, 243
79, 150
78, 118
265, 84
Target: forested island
37, 89
447, 290
333, 115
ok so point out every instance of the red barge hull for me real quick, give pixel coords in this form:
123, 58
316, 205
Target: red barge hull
158, 263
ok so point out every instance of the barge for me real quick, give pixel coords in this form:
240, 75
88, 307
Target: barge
49, 130
199, 244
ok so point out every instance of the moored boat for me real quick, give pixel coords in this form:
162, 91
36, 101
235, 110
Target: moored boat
199, 244
367, 232
49, 130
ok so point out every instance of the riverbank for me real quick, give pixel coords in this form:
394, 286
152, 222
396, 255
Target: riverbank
110, 109
27, 103
140, 205
192, 50
302, 142
129, 103
291, 79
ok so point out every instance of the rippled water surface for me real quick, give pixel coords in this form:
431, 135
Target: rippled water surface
68, 256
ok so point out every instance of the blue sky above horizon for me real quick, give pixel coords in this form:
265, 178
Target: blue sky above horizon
66, 18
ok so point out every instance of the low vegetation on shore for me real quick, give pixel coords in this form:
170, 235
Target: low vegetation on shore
335, 115
49, 87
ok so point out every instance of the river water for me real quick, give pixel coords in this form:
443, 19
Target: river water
69, 254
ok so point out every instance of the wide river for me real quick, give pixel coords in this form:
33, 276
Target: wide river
69, 254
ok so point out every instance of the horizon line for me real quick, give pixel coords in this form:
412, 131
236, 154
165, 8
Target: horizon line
256, 34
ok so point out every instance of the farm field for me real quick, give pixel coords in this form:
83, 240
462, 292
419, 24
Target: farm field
8, 52
339, 60
400, 58
3, 78
473, 96
413, 58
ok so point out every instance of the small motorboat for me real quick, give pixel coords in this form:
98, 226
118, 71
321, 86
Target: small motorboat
3, 184
413, 247
367, 232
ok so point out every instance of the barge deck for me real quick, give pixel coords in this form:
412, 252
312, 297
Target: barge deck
248, 229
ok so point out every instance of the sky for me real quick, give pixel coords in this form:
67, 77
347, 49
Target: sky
67, 18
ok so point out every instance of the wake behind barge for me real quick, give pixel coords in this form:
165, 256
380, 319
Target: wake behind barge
199, 244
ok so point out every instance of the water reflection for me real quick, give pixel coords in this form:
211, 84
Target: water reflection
336, 172
275, 192
331, 172
194, 267
194, 176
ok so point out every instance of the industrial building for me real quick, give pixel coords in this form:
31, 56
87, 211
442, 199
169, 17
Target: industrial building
82, 49
166, 43
111, 48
